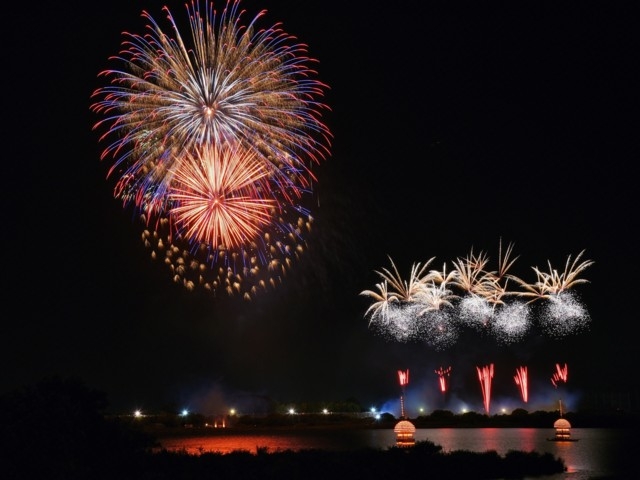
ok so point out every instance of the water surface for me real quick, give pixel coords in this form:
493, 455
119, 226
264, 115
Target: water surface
599, 453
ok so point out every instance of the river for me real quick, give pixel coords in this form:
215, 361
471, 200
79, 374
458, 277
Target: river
598, 453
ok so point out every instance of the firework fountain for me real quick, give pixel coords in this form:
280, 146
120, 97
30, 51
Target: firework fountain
485, 374
562, 425
560, 375
404, 429
403, 376
443, 379
521, 379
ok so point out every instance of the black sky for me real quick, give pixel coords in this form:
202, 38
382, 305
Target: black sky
453, 127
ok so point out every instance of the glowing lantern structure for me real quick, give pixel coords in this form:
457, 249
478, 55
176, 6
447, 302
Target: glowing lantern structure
563, 429
405, 432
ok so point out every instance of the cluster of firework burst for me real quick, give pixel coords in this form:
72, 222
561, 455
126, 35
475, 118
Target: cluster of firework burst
434, 305
212, 140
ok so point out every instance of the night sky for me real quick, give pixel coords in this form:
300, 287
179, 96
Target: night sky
453, 127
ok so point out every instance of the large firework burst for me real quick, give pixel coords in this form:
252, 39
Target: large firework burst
212, 138
235, 84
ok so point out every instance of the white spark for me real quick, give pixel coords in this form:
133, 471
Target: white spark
512, 322
563, 314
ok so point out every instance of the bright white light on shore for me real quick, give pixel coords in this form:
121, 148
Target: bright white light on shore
373, 409
325, 411
185, 412
137, 413
232, 411
292, 411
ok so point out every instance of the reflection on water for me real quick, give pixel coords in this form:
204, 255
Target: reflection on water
599, 453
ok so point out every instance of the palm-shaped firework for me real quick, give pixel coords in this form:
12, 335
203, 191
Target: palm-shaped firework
406, 290
553, 283
382, 301
471, 276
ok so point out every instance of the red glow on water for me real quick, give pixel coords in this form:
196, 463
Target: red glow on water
485, 374
522, 382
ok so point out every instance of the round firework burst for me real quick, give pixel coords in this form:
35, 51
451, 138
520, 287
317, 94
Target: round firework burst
216, 199
233, 83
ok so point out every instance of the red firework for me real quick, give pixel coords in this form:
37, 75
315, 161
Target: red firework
485, 374
443, 376
522, 382
403, 376
561, 375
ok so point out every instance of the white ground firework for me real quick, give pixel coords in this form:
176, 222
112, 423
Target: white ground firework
438, 328
475, 312
430, 311
400, 322
564, 315
511, 322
